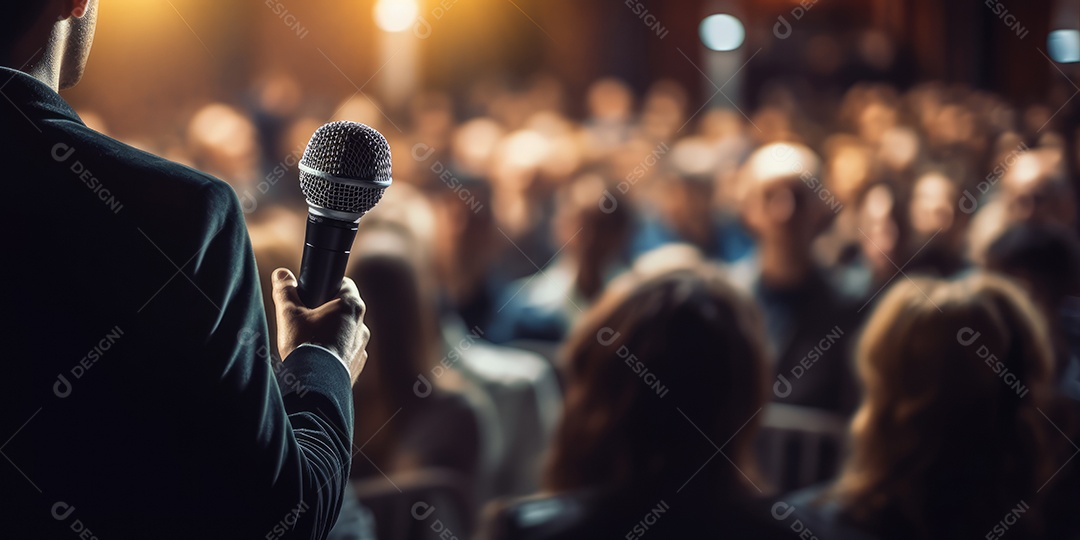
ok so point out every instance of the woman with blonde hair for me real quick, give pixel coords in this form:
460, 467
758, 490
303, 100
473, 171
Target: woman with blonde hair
663, 374
957, 435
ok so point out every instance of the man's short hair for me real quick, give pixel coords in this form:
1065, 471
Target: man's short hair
18, 15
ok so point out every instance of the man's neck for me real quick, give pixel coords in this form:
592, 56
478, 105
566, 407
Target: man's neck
40, 54
46, 70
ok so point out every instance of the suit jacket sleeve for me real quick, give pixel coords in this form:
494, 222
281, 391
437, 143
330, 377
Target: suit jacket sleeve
285, 429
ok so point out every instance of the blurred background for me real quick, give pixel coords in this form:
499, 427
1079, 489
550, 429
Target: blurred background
820, 150
175, 56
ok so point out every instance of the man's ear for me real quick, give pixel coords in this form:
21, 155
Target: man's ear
75, 8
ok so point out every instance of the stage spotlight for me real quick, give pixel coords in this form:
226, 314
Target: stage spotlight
1064, 46
722, 32
395, 15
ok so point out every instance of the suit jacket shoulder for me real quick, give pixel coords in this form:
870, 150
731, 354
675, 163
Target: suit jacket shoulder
142, 390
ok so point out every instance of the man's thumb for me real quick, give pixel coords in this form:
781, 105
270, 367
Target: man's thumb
283, 277
285, 287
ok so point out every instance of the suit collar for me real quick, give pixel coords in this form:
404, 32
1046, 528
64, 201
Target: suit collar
33, 98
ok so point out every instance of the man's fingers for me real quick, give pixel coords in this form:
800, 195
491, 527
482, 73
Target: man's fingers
285, 293
350, 295
347, 301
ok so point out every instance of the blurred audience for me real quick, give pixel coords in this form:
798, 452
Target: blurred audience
626, 457
683, 207
808, 321
880, 238
956, 430
1037, 189
1045, 260
938, 229
223, 141
406, 426
494, 261
591, 224
466, 247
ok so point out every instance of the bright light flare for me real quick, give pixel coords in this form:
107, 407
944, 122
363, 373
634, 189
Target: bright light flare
396, 15
722, 32
1064, 46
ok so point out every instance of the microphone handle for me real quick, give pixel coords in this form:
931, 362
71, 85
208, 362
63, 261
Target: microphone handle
327, 244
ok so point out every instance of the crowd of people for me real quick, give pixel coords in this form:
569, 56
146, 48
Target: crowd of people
656, 321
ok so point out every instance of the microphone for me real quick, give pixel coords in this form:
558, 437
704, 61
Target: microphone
343, 174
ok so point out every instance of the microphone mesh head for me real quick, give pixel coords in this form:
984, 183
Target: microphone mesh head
348, 167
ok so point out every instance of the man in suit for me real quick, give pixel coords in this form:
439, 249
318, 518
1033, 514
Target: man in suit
141, 398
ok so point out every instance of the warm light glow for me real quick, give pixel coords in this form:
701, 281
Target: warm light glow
526, 149
694, 156
779, 161
722, 32
396, 15
1026, 170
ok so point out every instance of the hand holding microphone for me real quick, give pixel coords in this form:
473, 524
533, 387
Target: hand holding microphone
337, 325
343, 174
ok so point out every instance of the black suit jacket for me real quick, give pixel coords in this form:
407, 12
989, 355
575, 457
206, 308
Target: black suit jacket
140, 397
